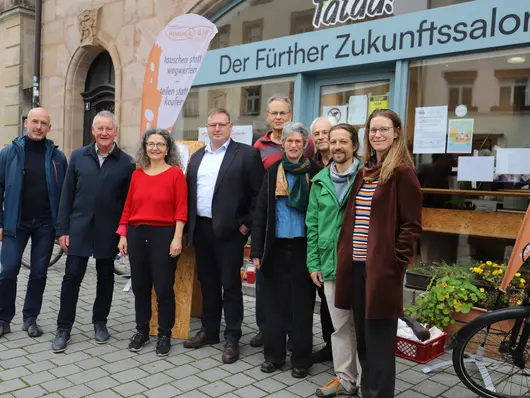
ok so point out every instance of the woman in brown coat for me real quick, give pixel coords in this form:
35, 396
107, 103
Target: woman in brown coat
376, 244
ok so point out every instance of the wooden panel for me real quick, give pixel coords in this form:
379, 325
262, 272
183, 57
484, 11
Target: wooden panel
474, 223
471, 192
512, 73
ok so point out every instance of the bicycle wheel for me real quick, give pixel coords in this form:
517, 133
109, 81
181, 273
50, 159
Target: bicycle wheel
122, 266
484, 358
56, 254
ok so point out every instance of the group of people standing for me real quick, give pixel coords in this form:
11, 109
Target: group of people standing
329, 220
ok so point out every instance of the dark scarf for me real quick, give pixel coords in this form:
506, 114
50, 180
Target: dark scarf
299, 194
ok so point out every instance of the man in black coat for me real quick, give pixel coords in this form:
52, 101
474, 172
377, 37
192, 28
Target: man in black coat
224, 179
92, 200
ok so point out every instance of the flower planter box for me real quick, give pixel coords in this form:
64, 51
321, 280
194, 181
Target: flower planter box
417, 281
462, 319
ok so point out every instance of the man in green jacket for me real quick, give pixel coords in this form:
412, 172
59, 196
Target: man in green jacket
327, 204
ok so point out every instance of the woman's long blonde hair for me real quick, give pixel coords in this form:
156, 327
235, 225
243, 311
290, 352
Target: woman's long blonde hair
397, 155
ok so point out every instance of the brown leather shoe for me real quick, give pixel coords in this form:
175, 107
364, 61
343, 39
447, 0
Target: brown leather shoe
231, 352
200, 340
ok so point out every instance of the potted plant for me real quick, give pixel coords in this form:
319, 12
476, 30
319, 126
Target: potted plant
421, 275
445, 296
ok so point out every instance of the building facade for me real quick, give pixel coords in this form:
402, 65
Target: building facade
469, 59
17, 41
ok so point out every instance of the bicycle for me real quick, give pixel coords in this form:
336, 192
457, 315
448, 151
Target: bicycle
490, 353
121, 264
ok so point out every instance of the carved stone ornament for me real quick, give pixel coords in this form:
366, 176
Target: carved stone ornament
87, 25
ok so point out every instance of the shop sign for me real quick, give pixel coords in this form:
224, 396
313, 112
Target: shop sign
332, 12
480, 25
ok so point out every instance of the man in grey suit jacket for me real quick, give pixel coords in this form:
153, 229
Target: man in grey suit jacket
224, 180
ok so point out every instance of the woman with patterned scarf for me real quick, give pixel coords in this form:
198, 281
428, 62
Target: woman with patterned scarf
279, 250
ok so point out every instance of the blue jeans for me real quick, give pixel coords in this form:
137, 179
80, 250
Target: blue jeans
42, 235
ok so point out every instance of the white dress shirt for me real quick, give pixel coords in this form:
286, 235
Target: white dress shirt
207, 178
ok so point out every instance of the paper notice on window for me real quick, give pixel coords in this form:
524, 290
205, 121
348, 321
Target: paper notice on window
357, 109
360, 151
430, 130
475, 168
241, 134
513, 161
460, 136
339, 112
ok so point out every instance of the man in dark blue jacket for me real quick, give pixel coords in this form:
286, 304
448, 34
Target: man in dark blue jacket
92, 200
32, 172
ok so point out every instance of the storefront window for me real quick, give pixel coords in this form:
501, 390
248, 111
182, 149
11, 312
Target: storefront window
468, 127
246, 102
256, 20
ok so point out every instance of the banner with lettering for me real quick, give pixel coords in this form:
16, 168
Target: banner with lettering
521, 252
171, 68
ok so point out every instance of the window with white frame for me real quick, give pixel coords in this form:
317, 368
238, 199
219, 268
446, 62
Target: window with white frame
191, 106
252, 31
514, 94
251, 100
221, 39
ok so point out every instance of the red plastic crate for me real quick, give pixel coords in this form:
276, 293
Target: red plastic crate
420, 352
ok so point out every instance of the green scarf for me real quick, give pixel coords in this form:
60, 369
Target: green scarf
299, 194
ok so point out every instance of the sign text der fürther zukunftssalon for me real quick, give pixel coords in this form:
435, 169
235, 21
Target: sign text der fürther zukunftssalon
345, 45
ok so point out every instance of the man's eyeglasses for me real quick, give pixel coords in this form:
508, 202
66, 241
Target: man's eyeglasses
276, 114
214, 125
382, 130
152, 145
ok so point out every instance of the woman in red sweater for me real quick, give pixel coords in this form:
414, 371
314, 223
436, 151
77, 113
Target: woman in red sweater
151, 229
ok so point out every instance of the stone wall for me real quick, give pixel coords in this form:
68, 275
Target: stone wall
127, 29
17, 38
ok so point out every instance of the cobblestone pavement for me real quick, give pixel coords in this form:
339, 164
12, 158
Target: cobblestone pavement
28, 368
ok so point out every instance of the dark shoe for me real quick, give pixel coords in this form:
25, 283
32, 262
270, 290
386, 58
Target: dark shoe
62, 338
290, 345
299, 373
4, 328
138, 341
322, 355
257, 340
231, 352
269, 367
30, 325
163, 346
101, 333
200, 340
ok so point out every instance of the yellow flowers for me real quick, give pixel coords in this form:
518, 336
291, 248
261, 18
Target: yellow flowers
444, 284
519, 302
489, 263
518, 274
522, 280
482, 289
477, 270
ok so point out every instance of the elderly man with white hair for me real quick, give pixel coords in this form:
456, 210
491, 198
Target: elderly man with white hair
320, 130
279, 250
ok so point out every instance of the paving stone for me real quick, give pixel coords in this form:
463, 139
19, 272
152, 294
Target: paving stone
105, 394
207, 363
430, 388
445, 378
60, 359
11, 385
87, 375
105, 383
217, 388
155, 380
130, 375
180, 359
410, 394
77, 391
166, 391
182, 371
304, 388
189, 383
120, 366
15, 362
204, 353
270, 385
66, 370
40, 366
194, 394
38, 378
402, 385
13, 373
282, 394
129, 389
237, 367
57, 384
30, 392
213, 374
157, 367
411, 376
239, 380
459, 392
250, 392
91, 363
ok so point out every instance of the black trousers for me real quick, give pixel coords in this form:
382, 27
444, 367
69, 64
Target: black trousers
74, 274
151, 265
325, 317
375, 342
287, 280
218, 264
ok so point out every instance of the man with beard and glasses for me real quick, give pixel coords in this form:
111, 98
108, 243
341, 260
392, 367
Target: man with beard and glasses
32, 172
327, 205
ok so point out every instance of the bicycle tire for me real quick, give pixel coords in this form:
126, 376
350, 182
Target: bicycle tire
464, 336
56, 254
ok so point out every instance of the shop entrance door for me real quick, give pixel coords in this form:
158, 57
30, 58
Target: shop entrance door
352, 100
